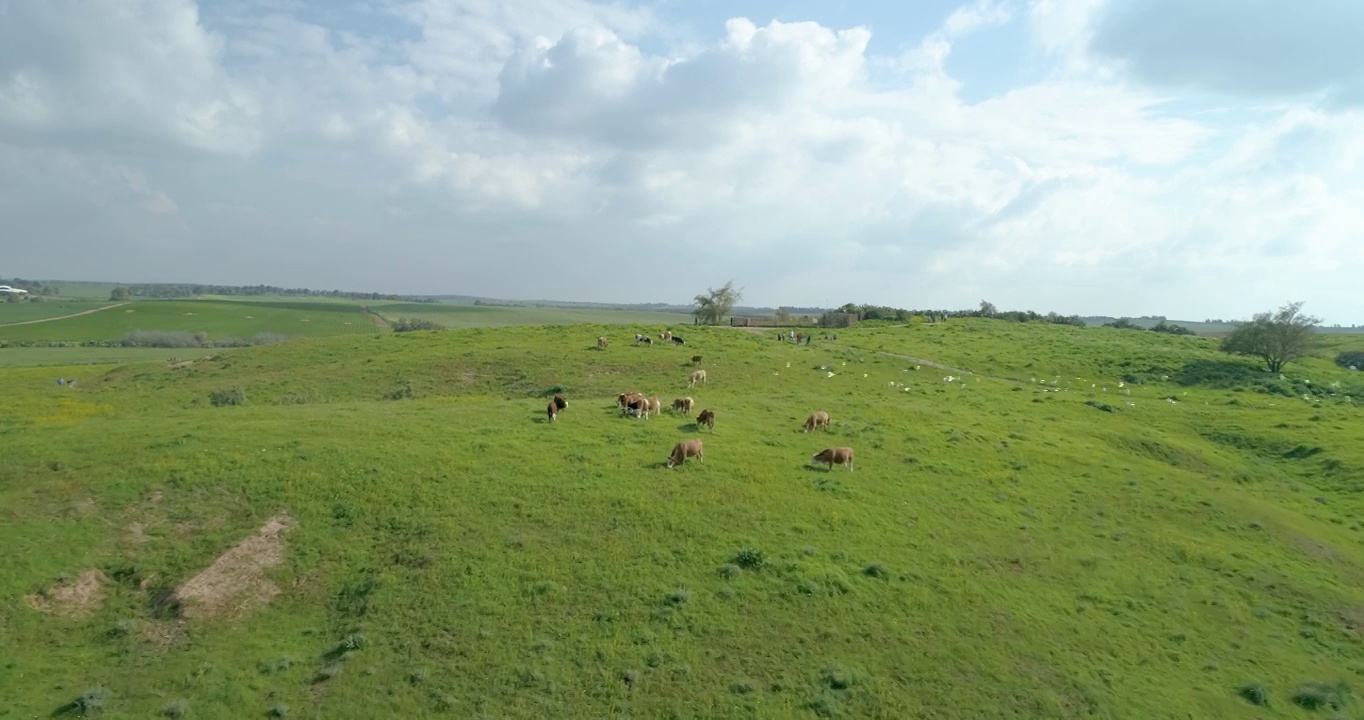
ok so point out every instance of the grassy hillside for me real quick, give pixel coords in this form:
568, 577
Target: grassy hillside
219, 319
466, 316
1004, 548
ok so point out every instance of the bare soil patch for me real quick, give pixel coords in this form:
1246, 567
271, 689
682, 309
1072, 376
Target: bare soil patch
236, 583
71, 598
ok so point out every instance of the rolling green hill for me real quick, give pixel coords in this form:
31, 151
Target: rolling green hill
1013, 542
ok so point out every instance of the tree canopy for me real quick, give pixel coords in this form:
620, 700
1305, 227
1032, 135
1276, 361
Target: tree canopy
713, 305
1278, 338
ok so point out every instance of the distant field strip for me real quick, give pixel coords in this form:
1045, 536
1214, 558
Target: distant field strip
468, 316
220, 320
29, 313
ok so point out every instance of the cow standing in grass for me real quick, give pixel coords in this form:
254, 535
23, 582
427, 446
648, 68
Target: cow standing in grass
555, 405
601, 343
817, 419
697, 377
834, 456
685, 449
706, 419
683, 405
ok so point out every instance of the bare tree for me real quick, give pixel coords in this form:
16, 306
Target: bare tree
715, 304
1277, 338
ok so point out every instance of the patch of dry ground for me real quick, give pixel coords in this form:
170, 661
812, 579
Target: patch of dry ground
72, 598
235, 583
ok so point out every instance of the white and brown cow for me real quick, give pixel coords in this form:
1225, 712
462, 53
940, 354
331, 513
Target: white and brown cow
698, 376
683, 405
834, 456
685, 449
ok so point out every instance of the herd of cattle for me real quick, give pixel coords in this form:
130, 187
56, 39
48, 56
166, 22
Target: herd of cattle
641, 406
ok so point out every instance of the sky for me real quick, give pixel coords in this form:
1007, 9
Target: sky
1188, 158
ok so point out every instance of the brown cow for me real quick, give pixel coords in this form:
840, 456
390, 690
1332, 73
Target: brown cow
698, 376
655, 407
706, 418
625, 397
555, 405
601, 342
817, 419
665, 336
683, 404
834, 456
685, 449
695, 359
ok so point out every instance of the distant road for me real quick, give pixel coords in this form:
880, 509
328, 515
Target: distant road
63, 317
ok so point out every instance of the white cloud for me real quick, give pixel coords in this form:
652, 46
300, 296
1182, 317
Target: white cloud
517, 148
109, 73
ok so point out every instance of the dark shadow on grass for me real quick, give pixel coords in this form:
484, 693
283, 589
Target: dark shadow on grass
1220, 373
688, 427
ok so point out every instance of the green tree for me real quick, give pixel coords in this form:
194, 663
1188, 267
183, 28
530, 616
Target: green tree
120, 294
1276, 338
715, 304
783, 315
987, 309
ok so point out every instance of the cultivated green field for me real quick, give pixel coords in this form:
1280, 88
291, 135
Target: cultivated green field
219, 319
29, 311
466, 316
74, 356
1004, 549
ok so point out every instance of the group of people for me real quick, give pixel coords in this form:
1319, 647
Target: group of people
797, 338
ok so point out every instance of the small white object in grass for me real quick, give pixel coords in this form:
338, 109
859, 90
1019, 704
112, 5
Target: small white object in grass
1120, 384
830, 375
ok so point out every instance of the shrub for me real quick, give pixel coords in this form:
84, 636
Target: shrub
412, 324
1122, 324
749, 559
1317, 696
1164, 327
176, 709
729, 571
268, 338
876, 570
1351, 359
1255, 694
162, 339
227, 396
89, 702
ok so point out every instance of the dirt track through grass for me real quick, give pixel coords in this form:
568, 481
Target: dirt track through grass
64, 317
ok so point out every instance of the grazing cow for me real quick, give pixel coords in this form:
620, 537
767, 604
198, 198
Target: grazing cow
834, 456
601, 342
817, 419
697, 377
665, 336
637, 406
555, 405
685, 449
655, 406
706, 418
683, 404
677, 340
695, 359
624, 400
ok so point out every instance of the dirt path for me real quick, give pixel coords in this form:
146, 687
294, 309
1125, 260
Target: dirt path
64, 317
378, 320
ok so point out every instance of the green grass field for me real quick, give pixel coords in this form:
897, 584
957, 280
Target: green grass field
220, 319
451, 315
76, 356
1005, 548
30, 311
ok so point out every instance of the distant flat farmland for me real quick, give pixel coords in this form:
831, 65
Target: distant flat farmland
464, 316
219, 319
74, 356
30, 311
